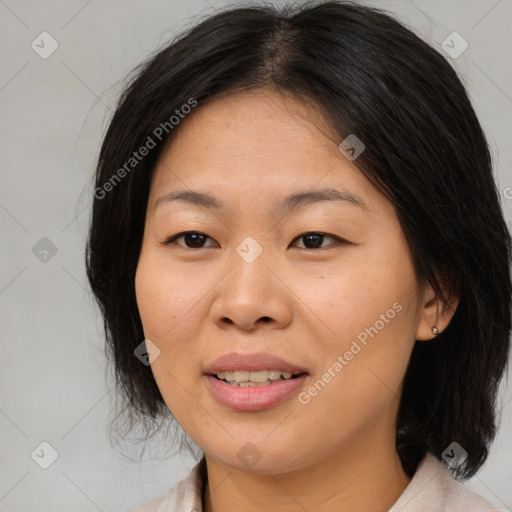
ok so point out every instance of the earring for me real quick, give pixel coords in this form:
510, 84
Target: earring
435, 330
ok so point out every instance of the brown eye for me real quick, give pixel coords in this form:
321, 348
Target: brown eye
192, 239
196, 240
314, 240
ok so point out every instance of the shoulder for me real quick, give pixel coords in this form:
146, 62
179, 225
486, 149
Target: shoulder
185, 496
433, 489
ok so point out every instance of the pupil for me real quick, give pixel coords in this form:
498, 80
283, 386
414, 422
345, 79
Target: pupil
317, 241
196, 239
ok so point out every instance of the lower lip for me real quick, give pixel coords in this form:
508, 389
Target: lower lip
253, 398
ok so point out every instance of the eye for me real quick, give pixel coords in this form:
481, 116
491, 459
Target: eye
314, 239
193, 239
196, 239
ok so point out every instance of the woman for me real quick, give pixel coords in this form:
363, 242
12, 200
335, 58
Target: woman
300, 256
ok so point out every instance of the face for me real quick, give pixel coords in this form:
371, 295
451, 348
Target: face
295, 262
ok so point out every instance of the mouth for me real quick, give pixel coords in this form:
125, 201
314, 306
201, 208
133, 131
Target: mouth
247, 378
252, 382
248, 396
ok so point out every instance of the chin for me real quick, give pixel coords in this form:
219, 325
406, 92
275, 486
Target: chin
259, 456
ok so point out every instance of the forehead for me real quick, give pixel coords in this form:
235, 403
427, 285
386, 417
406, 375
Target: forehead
260, 122
256, 143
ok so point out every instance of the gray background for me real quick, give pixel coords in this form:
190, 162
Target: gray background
54, 112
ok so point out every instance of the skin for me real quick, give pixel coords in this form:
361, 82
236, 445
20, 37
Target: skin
335, 453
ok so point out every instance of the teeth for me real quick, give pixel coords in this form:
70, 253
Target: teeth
259, 376
250, 384
241, 376
254, 378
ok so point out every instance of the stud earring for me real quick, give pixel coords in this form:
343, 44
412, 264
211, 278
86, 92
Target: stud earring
435, 330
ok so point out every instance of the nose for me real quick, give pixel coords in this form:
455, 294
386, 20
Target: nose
252, 296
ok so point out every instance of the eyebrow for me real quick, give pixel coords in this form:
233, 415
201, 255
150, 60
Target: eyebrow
289, 203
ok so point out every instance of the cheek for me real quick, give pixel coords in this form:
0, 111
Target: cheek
168, 302
172, 305
349, 299
165, 297
368, 315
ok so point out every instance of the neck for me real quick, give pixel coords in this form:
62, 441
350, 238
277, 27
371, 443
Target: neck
361, 478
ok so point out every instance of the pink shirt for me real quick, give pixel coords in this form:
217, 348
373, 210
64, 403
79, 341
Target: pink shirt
432, 489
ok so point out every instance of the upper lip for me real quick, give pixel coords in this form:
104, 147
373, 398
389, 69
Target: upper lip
257, 361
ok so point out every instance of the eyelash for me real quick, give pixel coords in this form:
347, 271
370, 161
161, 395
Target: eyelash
173, 238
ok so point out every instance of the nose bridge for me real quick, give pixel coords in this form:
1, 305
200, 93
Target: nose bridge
251, 292
251, 275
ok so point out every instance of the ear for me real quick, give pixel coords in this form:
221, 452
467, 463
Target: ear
435, 313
